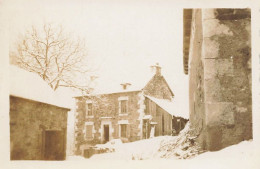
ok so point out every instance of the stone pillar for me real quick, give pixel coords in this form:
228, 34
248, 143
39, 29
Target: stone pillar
226, 53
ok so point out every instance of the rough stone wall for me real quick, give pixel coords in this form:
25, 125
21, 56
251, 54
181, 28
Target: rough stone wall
28, 120
196, 80
225, 92
107, 106
157, 87
228, 95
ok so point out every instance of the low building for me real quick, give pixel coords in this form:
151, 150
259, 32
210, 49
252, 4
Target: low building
129, 113
38, 118
217, 57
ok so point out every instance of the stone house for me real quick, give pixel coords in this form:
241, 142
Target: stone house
129, 113
217, 57
38, 118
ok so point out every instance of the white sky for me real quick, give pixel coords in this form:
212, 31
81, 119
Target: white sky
124, 38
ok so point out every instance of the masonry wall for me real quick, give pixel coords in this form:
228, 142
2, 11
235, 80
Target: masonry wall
158, 87
196, 80
106, 109
220, 77
28, 120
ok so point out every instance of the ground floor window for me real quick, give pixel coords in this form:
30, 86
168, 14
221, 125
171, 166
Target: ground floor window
89, 132
123, 130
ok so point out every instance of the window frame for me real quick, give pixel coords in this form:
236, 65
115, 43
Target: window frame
125, 132
120, 100
87, 109
91, 135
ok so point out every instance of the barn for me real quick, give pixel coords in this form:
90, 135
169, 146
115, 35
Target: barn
38, 118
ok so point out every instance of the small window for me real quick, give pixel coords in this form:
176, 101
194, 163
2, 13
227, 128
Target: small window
123, 106
123, 130
147, 106
89, 109
89, 133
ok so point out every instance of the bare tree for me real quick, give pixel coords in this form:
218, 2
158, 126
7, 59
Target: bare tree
56, 56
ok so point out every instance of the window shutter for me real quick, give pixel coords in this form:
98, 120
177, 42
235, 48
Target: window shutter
89, 131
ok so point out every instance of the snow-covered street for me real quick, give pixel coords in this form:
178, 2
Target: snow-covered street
174, 148
241, 156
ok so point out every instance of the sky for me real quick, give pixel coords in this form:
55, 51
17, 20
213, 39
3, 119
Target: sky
123, 39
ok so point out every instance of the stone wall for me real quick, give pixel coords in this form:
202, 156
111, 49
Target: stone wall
220, 77
28, 120
106, 109
158, 87
196, 80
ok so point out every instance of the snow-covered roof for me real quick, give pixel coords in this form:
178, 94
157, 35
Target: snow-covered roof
31, 86
170, 106
112, 84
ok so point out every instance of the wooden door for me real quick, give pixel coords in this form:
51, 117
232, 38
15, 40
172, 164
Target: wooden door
106, 133
54, 145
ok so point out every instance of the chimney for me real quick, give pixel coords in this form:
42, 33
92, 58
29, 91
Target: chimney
125, 85
157, 69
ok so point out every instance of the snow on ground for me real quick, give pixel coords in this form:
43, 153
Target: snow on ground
182, 146
160, 152
173, 148
179, 147
138, 150
74, 158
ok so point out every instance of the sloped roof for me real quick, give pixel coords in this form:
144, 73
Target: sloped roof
31, 86
170, 106
111, 84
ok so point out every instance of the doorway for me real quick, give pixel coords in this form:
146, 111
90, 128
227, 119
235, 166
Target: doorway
106, 133
146, 128
54, 145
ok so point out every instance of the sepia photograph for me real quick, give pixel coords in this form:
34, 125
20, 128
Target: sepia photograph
105, 84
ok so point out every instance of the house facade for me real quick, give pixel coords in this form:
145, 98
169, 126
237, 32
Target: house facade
217, 57
127, 114
38, 118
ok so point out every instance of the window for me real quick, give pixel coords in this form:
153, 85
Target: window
89, 132
147, 106
123, 106
123, 130
89, 109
